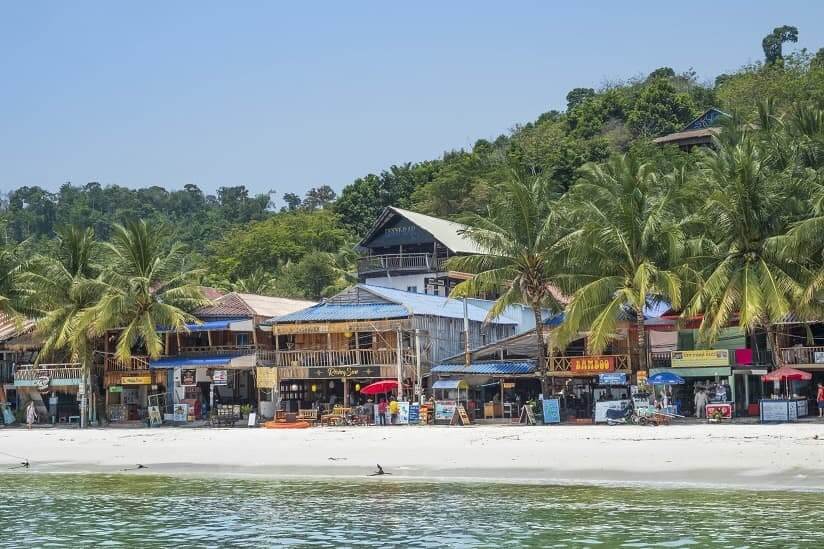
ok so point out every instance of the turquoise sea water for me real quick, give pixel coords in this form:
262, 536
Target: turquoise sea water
154, 511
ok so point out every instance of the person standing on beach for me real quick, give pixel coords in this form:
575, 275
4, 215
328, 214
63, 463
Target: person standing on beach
819, 398
394, 408
382, 412
31, 414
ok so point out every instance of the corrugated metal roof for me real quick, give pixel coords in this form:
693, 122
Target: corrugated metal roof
184, 362
506, 367
450, 384
326, 312
448, 233
237, 305
423, 304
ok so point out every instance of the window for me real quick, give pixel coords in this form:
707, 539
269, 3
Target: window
413, 289
241, 339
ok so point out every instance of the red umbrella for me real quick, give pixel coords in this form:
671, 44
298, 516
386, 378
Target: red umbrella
787, 373
380, 387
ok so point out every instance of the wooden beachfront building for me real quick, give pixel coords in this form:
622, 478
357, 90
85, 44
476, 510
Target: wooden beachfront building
222, 346
698, 133
407, 251
324, 354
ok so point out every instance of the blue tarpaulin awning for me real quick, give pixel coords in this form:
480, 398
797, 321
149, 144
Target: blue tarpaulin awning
498, 368
191, 362
207, 326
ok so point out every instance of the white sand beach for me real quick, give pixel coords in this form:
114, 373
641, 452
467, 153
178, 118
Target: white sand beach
743, 456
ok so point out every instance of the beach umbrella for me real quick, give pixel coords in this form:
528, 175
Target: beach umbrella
380, 387
788, 374
665, 378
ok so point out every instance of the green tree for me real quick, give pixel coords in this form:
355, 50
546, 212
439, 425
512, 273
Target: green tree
625, 251
519, 233
577, 96
772, 43
749, 271
660, 110
147, 284
258, 282
62, 287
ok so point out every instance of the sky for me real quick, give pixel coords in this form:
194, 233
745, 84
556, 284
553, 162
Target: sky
285, 96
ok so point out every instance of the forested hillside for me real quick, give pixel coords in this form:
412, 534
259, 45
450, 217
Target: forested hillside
301, 246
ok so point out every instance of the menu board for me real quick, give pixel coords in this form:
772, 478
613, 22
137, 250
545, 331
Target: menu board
778, 410
552, 410
188, 377
414, 413
445, 410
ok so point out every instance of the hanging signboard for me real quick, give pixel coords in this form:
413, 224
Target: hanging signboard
116, 389
266, 377
552, 410
188, 377
592, 364
339, 327
136, 380
219, 377
705, 357
337, 372
612, 378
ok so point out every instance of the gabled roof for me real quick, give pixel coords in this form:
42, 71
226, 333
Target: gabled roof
706, 119
432, 305
237, 305
448, 233
338, 312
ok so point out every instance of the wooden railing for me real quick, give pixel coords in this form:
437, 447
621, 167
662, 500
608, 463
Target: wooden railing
660, 359
113, 364
31, 372
619, 363
802, 355
325, 358
231, 350
398, 262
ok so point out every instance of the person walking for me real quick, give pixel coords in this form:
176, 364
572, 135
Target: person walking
382, 412
819, 398
31, 414
394, 408
701, 404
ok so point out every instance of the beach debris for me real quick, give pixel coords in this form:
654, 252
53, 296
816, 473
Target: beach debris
379, 472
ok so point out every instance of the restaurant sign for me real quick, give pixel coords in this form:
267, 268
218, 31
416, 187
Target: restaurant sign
136, 380
704, 357
592, 364
337, 372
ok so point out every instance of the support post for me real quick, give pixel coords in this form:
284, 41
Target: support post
400, 365
418, 377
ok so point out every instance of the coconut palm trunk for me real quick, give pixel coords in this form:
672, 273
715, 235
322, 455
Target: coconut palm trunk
542, 365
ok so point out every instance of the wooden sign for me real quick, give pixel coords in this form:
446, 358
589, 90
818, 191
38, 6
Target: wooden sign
337, 372
339, 327
594, 364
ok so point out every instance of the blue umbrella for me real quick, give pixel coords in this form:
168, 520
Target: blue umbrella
665, 378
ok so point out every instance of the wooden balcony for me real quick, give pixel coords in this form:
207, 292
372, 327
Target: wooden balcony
48, 374
589, 365
113, 364
398, 263
660, 360
809, 357
328, 358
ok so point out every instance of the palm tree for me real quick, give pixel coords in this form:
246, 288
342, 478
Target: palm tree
62, 287
12, 268
258, 282
750, 270
519, 235
625, 253
146, 285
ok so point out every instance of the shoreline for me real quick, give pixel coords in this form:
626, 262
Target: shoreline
749, 457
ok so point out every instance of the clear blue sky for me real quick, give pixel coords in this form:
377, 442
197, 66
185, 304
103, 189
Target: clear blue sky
290, 95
